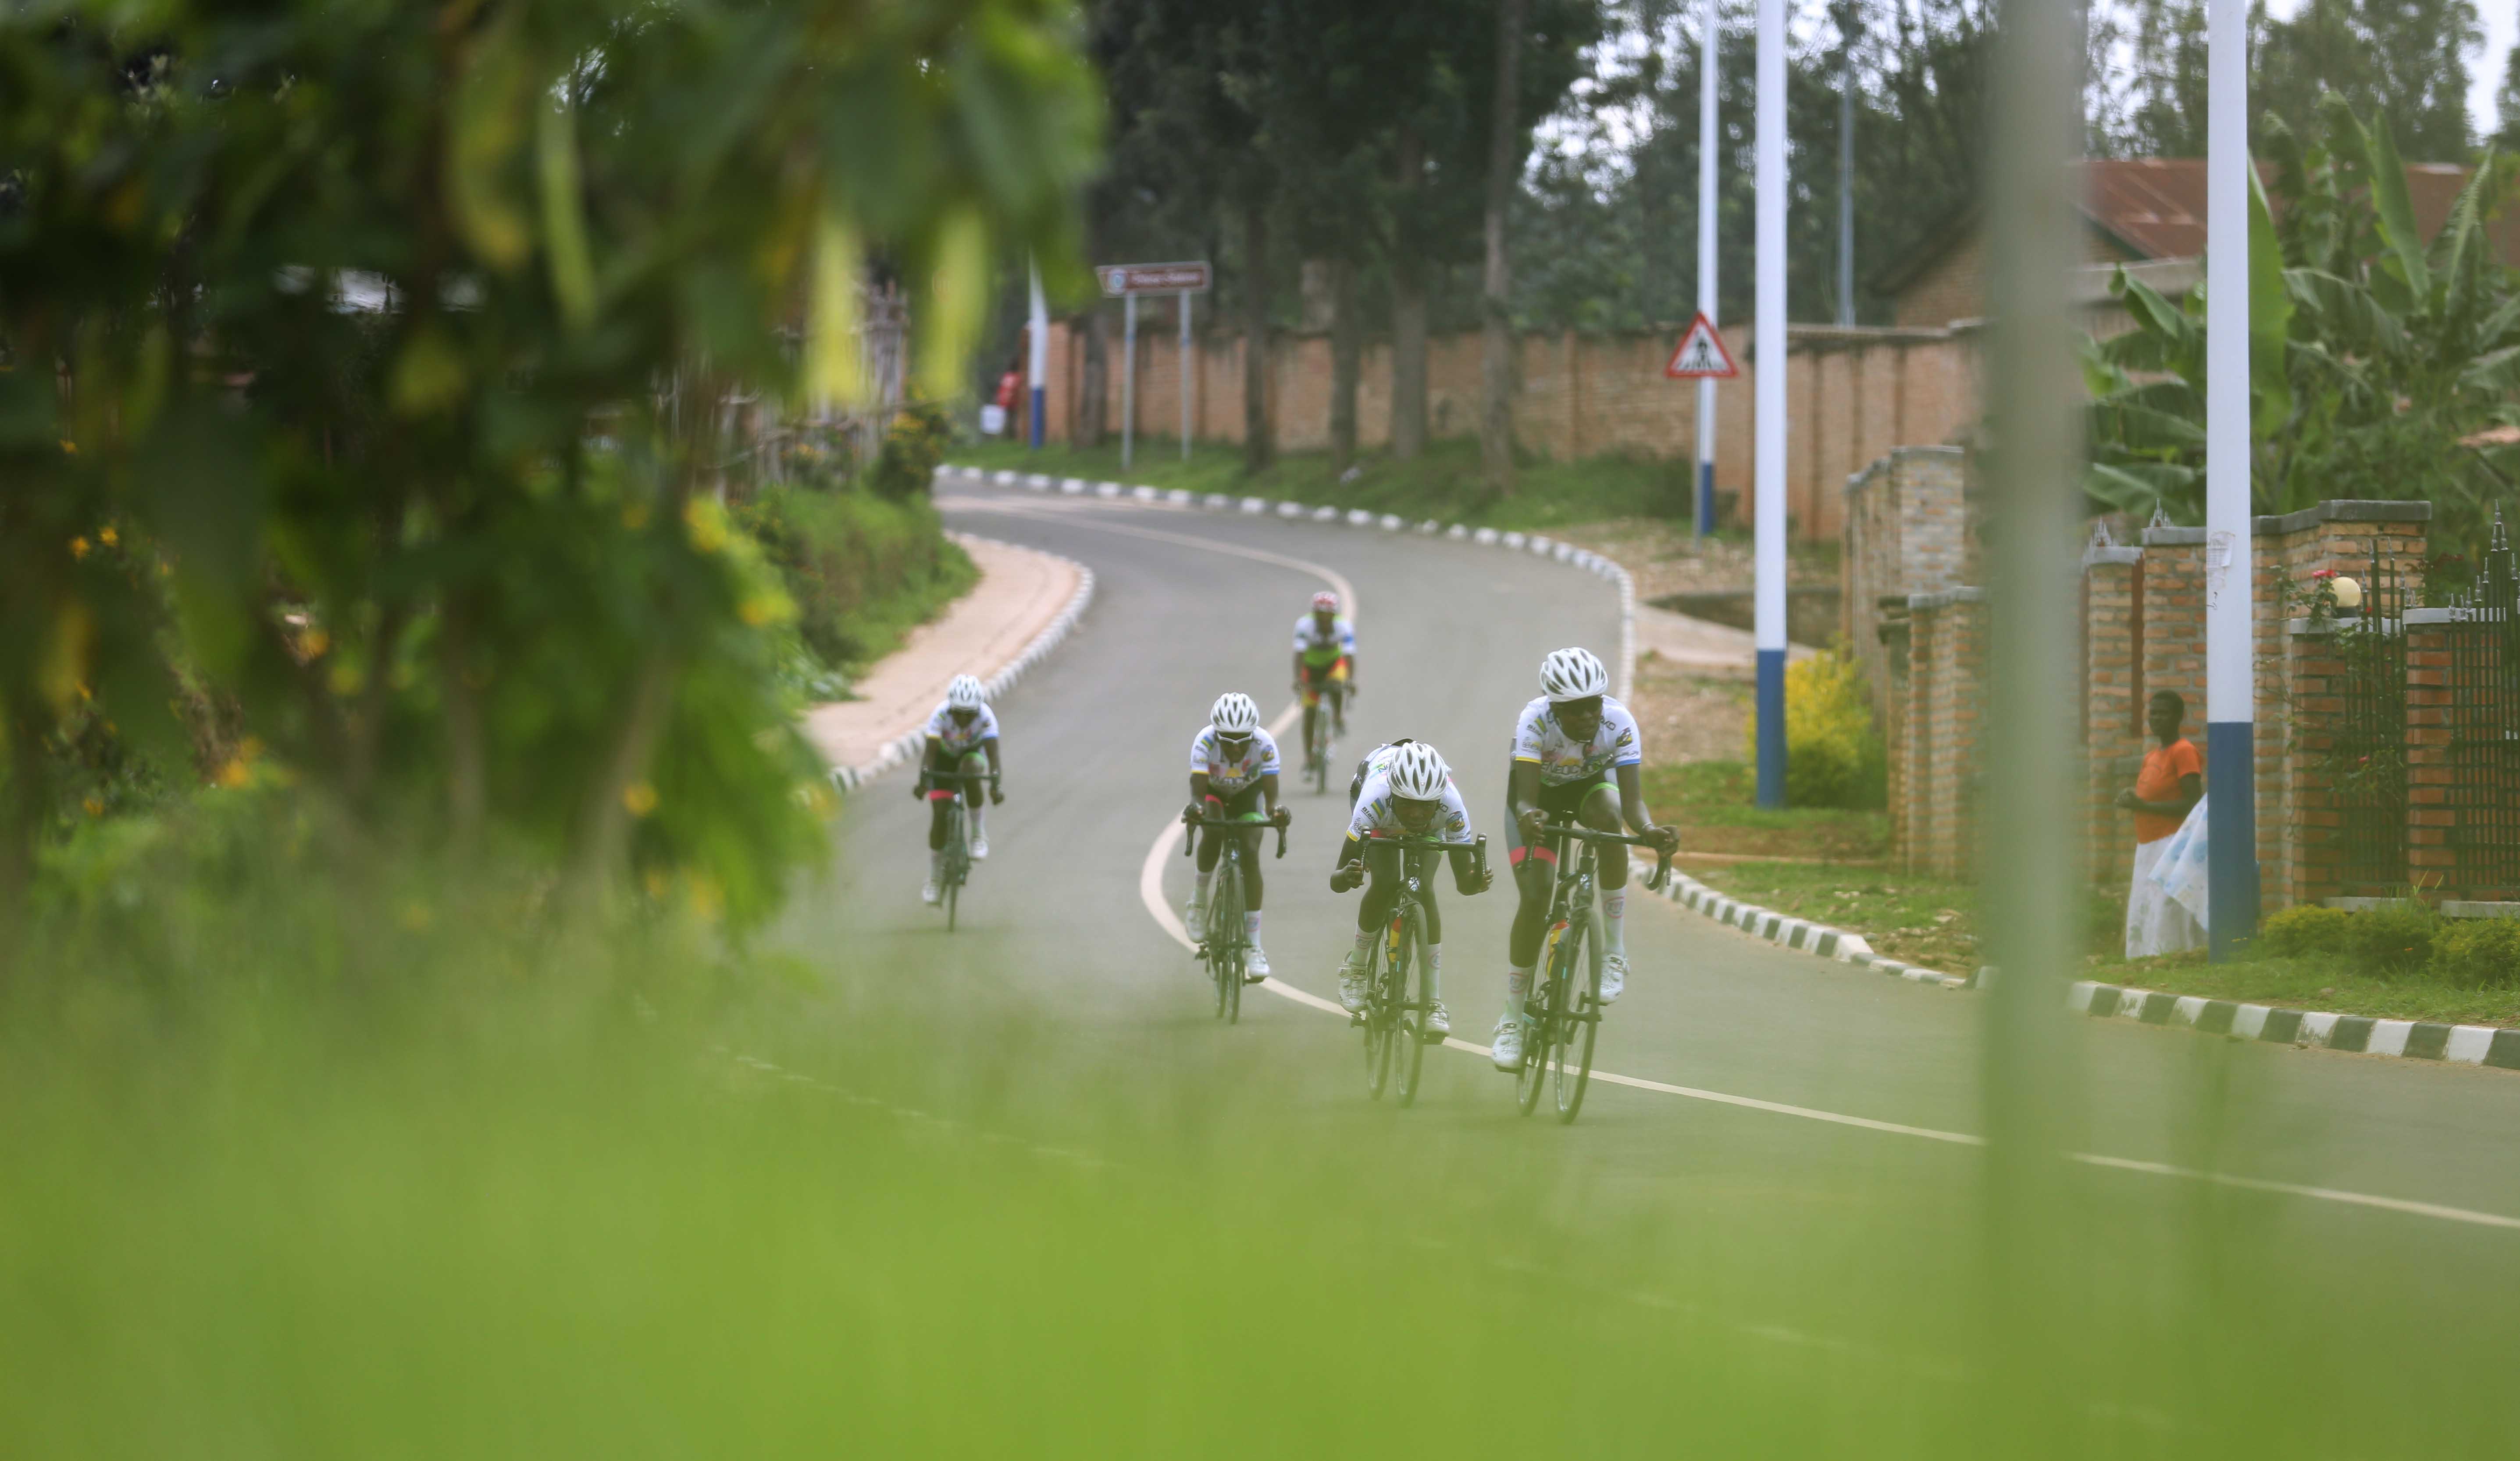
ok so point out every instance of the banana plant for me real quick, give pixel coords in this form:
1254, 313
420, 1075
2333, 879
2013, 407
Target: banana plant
2373, 350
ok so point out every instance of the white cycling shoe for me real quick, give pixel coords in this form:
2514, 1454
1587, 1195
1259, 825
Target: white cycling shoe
1352, 985
1194, 919
1505, 1047
929, 894
979, 849
1614, 975
1439, 1023
1255, 965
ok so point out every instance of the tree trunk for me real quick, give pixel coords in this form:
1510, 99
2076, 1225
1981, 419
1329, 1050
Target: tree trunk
1258, 446
1409, 308
1093, 392
1347, 348
1496, 354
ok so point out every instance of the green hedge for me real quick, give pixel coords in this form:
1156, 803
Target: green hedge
2398, 940
863, 569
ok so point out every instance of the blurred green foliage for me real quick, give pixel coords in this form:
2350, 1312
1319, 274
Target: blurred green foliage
388, 343
861, 567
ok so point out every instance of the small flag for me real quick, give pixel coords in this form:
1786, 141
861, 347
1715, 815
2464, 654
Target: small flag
1701, 354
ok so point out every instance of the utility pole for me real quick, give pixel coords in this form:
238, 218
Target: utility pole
1039, 364
1709, 30
2230, 691
1770, 387
1849, 23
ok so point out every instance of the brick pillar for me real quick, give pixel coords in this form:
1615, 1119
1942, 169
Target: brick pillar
2312, 868
2112, 740
1912, 824
2431, 862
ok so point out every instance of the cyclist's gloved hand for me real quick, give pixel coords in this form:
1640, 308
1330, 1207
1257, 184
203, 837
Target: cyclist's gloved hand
1664, 839
996, 795
1534, 822
1475, 880
919, 790
1348, 875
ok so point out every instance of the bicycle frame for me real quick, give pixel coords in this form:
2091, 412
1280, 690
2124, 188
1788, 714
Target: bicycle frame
958, 840
1392, 1021
1560, 1023
1224, 954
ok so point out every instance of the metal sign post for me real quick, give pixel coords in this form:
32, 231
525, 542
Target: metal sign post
1708, 27
1128, 379
1125, 282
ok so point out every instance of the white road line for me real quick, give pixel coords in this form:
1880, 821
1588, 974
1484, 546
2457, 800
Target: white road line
1151, 892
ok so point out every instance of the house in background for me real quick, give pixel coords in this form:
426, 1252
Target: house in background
2146, 215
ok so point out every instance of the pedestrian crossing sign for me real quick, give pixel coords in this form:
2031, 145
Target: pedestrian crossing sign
1701, 356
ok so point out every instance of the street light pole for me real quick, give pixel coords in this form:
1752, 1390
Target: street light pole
1708, 31
1770, 386
2230, 691
1039, 363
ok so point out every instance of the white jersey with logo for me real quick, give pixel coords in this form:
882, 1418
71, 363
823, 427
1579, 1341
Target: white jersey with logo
1375, 812
960, 740
1227, 778
1324, 646
1539, 738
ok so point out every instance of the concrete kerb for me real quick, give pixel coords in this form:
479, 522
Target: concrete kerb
905, 749
1565, 553
2360, 1034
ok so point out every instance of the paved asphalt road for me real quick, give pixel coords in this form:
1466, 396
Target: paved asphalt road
1061, 967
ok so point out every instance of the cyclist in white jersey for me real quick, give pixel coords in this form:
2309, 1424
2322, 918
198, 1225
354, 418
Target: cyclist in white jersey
1576, 754
961, 736
1404, 789
1233, 773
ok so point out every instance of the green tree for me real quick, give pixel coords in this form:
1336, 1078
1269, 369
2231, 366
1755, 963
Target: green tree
385, 346
2402, 59
2374, 351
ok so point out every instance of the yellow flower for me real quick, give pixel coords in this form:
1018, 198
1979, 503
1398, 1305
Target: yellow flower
69, 447
78, 547
314, 642
640, 798
707, 899
107, 535
93, 808
234, 774
706, 523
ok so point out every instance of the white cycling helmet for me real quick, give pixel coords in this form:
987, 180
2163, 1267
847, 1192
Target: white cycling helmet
964, 693
1417, 772
1573, 674
1233, 715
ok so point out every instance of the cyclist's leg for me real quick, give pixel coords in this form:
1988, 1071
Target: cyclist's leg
1600, 812
1535, 875
976, 794
1312, 698
1338, 676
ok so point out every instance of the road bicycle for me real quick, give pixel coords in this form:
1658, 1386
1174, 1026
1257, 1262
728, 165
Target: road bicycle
1322, 743
1396, 1000
1563, 1012
1225, 943
957, 868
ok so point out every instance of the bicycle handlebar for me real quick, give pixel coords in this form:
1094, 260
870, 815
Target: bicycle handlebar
1236, 824
1662, 859
938, 778
1476, 846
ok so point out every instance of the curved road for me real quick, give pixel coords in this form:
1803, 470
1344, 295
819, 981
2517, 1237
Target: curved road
1812, 1140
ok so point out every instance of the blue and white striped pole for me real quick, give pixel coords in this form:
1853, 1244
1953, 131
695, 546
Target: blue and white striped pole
2230, 690
1770, 619
1038, 373
1708, 33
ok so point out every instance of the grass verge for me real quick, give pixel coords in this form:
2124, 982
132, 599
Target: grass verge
2316, 983
1715, 805
1442, 484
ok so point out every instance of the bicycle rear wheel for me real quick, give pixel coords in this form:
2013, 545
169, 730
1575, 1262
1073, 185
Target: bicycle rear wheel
1410, 1053
1570, 1053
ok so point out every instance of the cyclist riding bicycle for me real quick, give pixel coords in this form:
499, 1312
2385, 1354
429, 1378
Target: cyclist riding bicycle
1325, 662
1411, 794
961, 736
1576, 754
1233, 773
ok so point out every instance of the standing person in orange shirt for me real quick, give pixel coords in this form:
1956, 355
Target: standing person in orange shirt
2171, 784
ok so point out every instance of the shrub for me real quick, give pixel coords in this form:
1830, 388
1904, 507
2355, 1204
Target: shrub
913, 445
2479, 951
2392, 938
860, 568
2306, 930
1833, 758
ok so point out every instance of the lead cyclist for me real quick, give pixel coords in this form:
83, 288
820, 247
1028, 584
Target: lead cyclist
1577, 753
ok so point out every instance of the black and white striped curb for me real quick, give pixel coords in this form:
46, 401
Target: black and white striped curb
1522, 542
904, 748
2365, 1034
1789, 932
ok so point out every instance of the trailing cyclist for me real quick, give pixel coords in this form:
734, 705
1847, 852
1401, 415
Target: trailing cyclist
1233, 773
1324, 665
1577, 755
1408, 792
961, 736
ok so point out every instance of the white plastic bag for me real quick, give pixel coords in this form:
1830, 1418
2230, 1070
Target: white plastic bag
2181, 872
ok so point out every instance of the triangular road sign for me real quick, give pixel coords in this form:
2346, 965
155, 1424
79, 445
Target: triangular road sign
1701, 354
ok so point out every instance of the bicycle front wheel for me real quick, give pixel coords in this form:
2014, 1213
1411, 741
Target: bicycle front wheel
1409, 1038
1225, 939
1382, 1030
1570, 1051
1543, 1004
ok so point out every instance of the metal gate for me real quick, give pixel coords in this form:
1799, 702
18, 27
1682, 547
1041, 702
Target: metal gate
2366, 761
2485, 726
